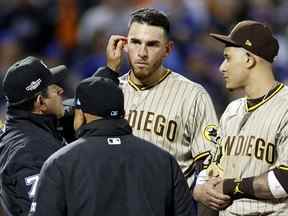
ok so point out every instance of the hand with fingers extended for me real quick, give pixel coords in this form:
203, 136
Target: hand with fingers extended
114, 51
210, 195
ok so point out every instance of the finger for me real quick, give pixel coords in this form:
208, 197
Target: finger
113, 40
119, 48
215, 180
220, 196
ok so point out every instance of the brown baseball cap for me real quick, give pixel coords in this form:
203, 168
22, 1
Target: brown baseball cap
253, 36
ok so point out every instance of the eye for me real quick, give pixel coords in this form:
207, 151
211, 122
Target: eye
135, 41
153, 43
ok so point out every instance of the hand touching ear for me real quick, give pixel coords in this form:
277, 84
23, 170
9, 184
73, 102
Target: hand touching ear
114, 51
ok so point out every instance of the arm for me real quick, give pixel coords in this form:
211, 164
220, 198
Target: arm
114, 51
203, 124
205, 192
182, 200
50, 198
271, 185
18, 183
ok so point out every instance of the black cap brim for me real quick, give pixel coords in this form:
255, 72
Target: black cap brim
59, 74
224, 39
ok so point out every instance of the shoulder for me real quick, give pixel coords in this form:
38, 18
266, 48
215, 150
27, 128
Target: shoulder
233, 108
66, 151
180, 79
282, 96
147, 148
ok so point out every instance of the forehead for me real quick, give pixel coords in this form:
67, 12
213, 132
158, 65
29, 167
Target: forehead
234, 51
53, 87
146, 32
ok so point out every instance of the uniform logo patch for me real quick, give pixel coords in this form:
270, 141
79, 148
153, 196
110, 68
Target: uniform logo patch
248, 43
210, 133
114, 141
33, 85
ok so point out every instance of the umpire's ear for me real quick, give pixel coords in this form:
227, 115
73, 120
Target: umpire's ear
79, 119
40, 105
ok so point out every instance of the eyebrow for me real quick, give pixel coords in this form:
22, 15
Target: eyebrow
151, 43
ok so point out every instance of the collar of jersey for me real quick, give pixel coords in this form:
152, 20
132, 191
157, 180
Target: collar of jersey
145, 87
252, 108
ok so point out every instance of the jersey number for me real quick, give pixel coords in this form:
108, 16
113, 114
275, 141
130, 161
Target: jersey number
32, 181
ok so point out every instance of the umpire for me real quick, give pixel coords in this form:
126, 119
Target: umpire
30, 135
109, 171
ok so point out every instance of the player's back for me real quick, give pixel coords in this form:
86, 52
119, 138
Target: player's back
118, 175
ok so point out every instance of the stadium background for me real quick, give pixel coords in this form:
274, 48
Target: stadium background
75, 32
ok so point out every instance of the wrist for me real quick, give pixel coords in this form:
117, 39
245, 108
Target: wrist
239, 188
113, 67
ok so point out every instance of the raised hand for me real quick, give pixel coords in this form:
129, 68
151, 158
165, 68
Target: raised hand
114, 51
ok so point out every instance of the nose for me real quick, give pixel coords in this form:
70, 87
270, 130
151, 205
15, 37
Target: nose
143, 52
222, 67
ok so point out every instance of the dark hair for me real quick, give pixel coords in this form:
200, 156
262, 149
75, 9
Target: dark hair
28, 105
152, 17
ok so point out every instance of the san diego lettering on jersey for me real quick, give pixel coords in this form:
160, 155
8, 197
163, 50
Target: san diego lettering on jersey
250, 146
154, 123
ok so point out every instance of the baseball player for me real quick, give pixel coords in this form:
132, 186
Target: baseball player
162, 106
254, 129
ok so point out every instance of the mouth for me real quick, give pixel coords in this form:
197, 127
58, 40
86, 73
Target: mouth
141, 63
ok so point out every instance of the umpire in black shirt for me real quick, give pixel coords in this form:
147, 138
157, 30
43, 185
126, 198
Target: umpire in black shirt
30, 136
108, 171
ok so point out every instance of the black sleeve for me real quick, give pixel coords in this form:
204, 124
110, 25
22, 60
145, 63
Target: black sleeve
19, 184
50, 197
107, 73
183, 204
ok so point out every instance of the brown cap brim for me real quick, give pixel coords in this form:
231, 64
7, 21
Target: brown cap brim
224, 39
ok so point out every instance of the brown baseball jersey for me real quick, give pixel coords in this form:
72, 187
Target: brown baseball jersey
174, 113
255, 140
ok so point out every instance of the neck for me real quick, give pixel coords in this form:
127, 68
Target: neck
259, 85
154, 77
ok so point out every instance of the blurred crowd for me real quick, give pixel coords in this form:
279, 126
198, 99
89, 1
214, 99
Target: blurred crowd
75, 33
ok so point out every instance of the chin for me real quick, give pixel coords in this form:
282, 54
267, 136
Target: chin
141, 73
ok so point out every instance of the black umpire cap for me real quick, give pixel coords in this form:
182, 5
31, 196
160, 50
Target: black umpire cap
28, 77
99, 96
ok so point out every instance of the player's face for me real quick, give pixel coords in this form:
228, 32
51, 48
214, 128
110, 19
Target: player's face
147, 47
234, 68
53, 102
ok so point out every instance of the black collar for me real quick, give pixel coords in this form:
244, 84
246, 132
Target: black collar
105, 127
46, 122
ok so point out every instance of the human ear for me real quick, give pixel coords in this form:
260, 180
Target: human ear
250, 60
169, 47
40, 104
79, 119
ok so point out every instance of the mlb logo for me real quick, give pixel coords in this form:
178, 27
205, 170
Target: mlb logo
114, 141
114, 113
